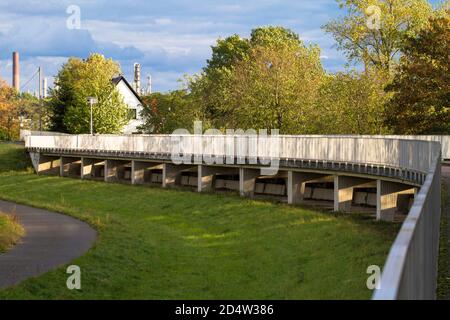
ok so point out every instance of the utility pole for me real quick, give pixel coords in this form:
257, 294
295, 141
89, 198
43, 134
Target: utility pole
40, 83
92, 101
40, 98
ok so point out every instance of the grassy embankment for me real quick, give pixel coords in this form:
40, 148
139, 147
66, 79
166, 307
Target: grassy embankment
10, 229
172, 244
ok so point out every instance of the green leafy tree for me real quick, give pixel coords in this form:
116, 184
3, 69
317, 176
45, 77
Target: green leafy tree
276, 88
34, 113
76, 81
351, 103
9, 112
273, 37
165, 112
421, 88
373, 31
251, 82
209, 92
226, 52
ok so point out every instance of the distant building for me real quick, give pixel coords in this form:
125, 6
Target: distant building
133, 101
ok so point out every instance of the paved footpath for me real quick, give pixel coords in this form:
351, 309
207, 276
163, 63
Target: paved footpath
446, 178
51, 240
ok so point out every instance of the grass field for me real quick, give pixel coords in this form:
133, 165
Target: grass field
171, 244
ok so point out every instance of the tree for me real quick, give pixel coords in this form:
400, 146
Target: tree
19, 111
250, 82
209, 92
421, 88
226, 52
76, 81
164, 113
275, 88
273, 37
373, 31
34, 113
9, 112
351, 103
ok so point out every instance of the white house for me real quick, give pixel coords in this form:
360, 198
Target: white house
133, 101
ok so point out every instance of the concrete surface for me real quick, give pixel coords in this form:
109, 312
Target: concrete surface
51, 240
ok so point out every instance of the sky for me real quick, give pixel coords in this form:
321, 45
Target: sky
168, 38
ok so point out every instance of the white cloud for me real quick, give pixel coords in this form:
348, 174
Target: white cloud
169, 38
163, 22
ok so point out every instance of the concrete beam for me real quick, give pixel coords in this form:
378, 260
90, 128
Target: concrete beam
247, 181
140, 169
343, 190
388, 198
296, 185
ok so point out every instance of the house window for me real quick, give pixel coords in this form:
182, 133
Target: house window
133, 114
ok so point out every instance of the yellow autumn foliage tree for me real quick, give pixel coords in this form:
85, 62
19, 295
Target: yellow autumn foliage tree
9, 112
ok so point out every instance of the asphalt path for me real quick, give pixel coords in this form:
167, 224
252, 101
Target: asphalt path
51, 240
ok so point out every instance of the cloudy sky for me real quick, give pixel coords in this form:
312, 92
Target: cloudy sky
169, 38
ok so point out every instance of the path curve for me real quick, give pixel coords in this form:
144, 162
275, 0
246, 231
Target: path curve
51, 240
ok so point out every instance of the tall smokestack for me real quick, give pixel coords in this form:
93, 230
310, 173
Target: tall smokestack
44, 87
148, 90
137, 78
16, 71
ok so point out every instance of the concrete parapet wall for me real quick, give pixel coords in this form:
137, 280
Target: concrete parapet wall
401, 153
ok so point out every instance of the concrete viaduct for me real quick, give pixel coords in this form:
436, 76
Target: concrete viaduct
395, 177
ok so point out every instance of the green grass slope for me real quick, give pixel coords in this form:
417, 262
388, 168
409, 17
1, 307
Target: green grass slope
170, 244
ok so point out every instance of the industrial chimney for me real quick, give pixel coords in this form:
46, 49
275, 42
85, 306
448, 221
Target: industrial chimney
16, 71
44, 87
148, 90
137, 78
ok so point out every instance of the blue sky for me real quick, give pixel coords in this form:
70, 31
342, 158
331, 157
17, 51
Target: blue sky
169, 38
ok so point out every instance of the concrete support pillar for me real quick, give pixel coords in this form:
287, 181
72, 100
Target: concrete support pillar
86, 168
388, 198
138, 172
46, 164
343, 190
296, 185
69, 166
139, 168
247, 181
172, 174
205, 178
114, 170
